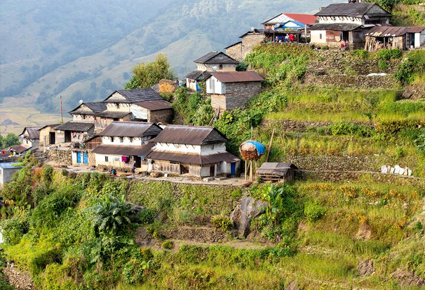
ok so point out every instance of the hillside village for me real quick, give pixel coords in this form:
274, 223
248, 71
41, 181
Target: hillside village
132, 131
293, 160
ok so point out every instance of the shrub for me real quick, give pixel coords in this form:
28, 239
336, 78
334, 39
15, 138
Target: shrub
383, 64
387, 54
168, 245
363, 54
146, 216
222, 223
313, 211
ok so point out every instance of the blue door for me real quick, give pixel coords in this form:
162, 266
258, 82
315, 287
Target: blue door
233, 168
86, 158
78, 157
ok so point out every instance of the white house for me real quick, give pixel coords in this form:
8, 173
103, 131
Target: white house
211, 62
347, 22
196, 151
124, 144
30, 137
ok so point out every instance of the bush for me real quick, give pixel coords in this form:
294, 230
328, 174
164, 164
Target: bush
313, 211
146, 216
222, 223
168, 245
362, 54
387, 54
383, 64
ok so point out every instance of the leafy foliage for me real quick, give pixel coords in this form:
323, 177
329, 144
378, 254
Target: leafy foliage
150, 73
10, 140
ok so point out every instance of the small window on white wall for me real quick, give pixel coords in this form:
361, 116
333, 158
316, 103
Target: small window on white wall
106, 159
320, 36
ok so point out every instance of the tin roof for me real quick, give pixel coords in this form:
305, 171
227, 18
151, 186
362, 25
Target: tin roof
308, 19
193, 158
95, 107
237, 76
32, 132
112, 114
239, 42
190, 135
381, 31
19, 148
353, 10
155, 105
75, 126
50, 125
141, 150
216, 57
131, 129
198, 75
135, 95
9, 165
275, 168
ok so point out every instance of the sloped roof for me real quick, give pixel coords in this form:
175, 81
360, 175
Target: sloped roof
255, 31
95, 107
135, 95
237, 76
75, 126
275, 168
380, 31
335, 26
195, 159
19, 148
112, 114
198, 75
155, 105
190, 135
131, 129
141, 150
216, 57
308, 19
50, 125
239, 42
32, 132
353, 10
9, 165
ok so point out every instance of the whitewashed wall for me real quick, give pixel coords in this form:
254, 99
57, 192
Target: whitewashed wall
191, 149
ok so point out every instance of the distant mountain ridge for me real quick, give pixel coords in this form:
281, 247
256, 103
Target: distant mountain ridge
85, 50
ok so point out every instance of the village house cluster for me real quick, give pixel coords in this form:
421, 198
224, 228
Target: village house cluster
130, 130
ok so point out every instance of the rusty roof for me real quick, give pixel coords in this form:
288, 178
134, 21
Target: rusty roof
308, 19
237, 76
19, 148
381, 31
155, 105
190, 135
131, 129
75, 126
193, 158
95, 107
141, 150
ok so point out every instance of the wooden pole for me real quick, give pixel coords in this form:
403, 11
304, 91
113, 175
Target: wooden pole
250, 171
270, 146
246, 170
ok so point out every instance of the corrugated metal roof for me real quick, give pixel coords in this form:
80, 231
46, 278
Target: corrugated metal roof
198, 75
136, 95
95, 107
216, 57
308, 19
50, 125
155, 105
142, 150
381, 31
237, 76
19, 148
131, 129
275, 168
9, 165
112, 115
75, 126
193, 158
189, 135
32, 132
335, 26
351, 10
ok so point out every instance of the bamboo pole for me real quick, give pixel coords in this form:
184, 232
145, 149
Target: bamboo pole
246, 170
270, 146
250, 170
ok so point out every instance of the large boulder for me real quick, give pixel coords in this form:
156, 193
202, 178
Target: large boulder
248, 209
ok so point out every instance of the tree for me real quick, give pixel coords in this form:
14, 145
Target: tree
149, 73
10, 140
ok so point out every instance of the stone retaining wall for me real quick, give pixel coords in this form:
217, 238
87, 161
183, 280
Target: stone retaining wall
62, 157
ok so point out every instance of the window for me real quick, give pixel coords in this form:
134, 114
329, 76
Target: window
121, 139
131, 139
106, 159
320, 36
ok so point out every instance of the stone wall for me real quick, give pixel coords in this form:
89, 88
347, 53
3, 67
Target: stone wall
18, 279
237, 95
60, 157
249, 41
351, 81
235, 51
162, 116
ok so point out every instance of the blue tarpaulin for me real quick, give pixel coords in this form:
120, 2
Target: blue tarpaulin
261, 149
